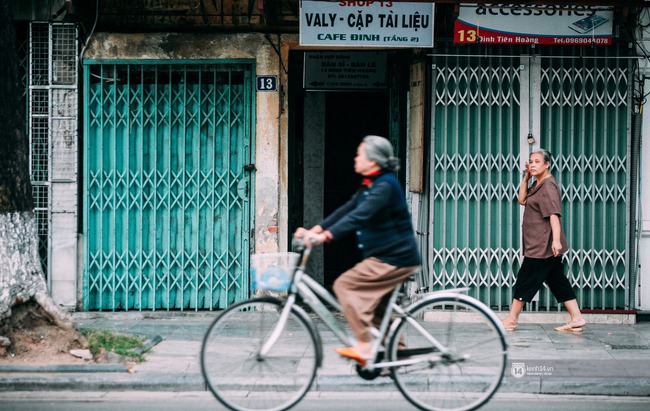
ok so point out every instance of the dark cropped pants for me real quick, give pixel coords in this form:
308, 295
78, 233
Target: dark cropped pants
535, 271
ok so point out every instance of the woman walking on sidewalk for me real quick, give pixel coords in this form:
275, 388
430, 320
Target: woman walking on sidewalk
543, 244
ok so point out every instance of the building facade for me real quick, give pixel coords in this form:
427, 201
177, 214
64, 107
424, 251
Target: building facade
170, 140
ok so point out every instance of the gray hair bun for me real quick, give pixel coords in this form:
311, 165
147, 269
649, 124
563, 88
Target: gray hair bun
380, 150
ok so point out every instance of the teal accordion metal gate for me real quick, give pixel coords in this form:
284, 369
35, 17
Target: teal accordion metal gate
167, 187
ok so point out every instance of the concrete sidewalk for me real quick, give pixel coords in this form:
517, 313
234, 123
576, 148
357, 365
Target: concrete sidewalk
605, 359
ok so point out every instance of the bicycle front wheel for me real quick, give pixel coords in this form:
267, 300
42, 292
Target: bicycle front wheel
465, 371
244, 379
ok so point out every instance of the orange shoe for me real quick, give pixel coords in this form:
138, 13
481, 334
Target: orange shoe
351, 353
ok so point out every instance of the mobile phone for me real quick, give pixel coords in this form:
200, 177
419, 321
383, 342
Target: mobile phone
587, 24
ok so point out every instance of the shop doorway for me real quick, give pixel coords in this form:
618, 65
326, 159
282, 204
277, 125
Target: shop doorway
326, 126
349, 116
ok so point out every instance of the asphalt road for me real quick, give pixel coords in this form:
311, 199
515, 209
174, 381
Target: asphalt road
327, 401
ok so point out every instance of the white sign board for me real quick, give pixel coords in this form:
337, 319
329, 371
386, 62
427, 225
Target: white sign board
366, 24
347, 70
534, 24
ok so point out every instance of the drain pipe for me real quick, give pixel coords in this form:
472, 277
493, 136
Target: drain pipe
530, 138
635, 216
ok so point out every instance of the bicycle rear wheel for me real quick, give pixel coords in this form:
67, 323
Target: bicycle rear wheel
468, 373
239, 376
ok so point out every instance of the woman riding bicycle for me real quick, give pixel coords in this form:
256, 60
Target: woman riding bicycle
378, 215
263, 353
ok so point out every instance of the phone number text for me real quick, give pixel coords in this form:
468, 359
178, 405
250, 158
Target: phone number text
583, 40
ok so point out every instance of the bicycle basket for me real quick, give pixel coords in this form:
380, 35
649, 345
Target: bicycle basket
273, 271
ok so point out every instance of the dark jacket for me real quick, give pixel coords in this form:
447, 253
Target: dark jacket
380, 219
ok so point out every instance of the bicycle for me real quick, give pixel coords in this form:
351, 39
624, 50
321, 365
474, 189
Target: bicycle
444, 351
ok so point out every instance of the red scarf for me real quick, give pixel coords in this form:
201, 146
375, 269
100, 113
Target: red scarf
368, 178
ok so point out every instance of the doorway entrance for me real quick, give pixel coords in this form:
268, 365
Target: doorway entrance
326, 126
349, 116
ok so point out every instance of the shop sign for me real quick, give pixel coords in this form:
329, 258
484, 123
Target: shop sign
366, 24
534, 24
345, 70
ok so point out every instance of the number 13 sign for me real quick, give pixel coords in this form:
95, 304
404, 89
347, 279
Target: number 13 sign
267, 83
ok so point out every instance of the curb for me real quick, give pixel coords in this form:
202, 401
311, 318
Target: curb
65, 368
111, 381
101, 382
633, 386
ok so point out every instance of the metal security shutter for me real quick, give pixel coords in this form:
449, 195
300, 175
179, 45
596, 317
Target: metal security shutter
585, 121
166, 188
472, 233
473, 215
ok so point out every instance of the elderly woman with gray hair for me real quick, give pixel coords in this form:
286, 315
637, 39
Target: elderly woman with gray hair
543, 244
378, 215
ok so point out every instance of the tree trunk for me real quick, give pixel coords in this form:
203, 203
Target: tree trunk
21, 275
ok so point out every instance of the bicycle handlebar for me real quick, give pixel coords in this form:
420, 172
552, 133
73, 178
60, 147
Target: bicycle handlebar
299, 244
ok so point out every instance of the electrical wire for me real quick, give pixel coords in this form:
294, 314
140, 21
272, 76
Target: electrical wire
92, 31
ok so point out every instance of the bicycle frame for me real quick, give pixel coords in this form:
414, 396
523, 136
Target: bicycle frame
313, 294
310, 291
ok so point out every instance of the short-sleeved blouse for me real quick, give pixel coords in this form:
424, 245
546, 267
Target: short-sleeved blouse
542, 201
